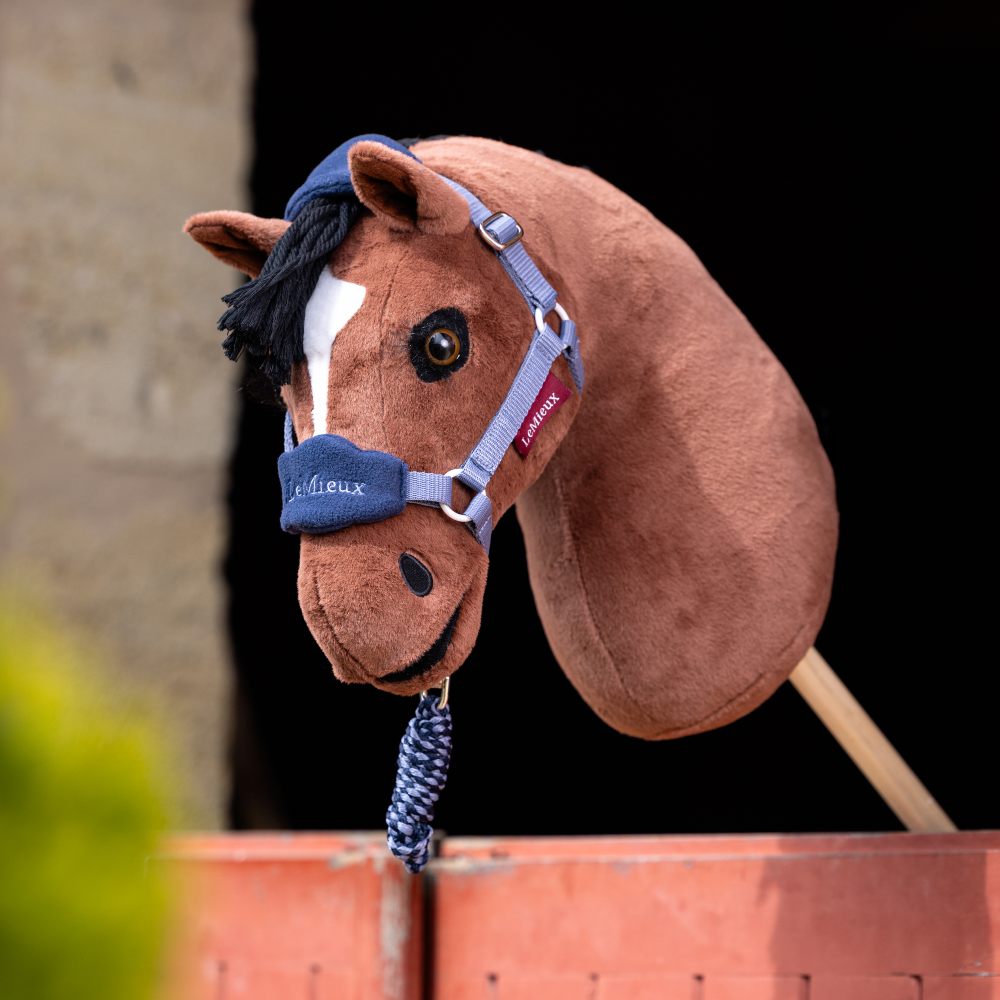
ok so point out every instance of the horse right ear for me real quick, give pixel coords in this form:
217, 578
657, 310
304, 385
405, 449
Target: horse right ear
405, 193
237, 238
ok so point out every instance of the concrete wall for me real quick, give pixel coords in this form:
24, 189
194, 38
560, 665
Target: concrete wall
117, 121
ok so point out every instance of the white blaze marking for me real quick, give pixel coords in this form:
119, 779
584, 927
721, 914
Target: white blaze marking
329, 309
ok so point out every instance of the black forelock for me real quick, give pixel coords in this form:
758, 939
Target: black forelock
265, 318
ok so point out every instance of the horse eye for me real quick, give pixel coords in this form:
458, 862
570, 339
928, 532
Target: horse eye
439, 344
442, 346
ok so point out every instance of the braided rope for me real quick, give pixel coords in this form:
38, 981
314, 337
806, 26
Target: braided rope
422, 769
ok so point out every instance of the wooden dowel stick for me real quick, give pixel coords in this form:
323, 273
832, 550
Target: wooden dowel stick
854, 730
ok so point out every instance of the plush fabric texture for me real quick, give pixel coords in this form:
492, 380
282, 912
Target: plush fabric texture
679, 517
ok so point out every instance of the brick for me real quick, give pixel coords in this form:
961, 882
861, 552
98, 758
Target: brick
652, 987
754, 988
864, 988
961, 988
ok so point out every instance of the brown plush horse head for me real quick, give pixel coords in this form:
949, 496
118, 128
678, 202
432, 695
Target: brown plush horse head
679, 512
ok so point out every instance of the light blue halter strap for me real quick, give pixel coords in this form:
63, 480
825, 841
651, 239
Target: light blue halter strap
427, 487
503, 229
502, 234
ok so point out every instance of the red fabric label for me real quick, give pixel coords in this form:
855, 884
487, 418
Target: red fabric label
551, 397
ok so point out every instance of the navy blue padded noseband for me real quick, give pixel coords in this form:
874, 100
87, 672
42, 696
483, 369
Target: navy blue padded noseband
328, 483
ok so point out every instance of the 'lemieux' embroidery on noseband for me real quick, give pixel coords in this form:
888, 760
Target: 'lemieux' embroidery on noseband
315, 485
389, 483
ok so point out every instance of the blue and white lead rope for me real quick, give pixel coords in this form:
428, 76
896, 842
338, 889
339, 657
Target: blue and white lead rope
422, 768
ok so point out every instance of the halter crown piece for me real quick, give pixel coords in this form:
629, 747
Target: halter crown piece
375, 485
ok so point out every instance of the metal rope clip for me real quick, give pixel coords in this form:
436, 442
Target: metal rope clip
445, 685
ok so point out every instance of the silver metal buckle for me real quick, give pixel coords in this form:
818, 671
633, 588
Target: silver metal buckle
496, 244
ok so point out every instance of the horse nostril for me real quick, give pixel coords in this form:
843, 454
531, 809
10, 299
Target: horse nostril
417, 576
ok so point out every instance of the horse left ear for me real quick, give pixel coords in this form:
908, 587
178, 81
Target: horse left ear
404, 193
236, 238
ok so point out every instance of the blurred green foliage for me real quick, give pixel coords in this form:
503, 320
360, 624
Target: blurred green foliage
83, 801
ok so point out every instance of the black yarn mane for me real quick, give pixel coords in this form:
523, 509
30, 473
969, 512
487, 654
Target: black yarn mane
265, 318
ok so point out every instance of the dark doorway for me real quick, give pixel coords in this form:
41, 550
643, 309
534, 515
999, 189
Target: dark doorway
837, 198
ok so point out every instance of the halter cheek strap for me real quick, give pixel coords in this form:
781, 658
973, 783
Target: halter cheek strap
380, 484
502, 234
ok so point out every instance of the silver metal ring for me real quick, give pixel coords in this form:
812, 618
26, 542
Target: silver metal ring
540, 318
453, 514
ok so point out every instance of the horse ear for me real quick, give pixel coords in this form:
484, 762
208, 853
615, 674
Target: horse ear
404, 193
237, 238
